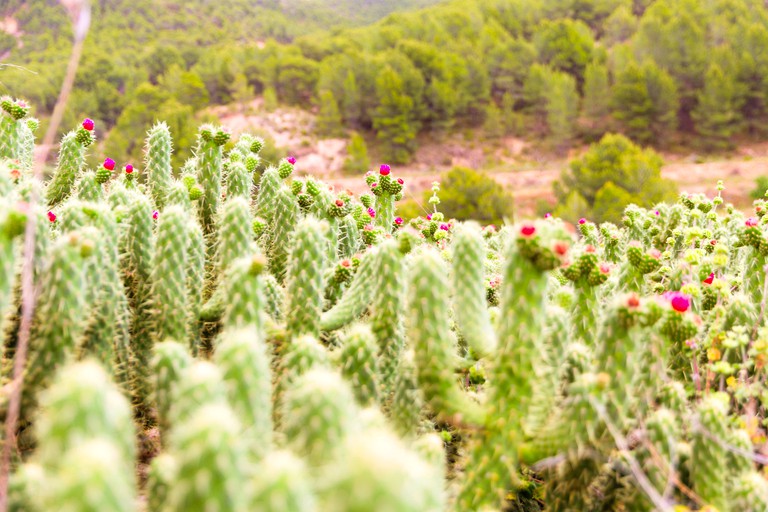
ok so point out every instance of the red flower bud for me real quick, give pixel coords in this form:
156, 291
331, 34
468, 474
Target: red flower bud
339, 203
88, 124
527, 230
384, 169
398, 220
155, 214
291, 160
128, 169
710, 278
51, 216
561, 248
109, 164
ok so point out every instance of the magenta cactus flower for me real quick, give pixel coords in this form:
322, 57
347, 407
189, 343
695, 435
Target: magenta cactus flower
528, 230
109, 164
372, 212
129, 169
384, 170
680, 302
444, 227
751, 222
155, 214
51, 217
291, 160
547, 215
582, 220
88, 124
398, 220
401, 181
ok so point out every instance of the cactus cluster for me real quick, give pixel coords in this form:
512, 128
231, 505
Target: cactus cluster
213, 338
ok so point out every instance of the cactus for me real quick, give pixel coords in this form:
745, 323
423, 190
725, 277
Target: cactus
210, 471
388, 302
359, 364
157, 163
318, 414
357, 297
198, 385
518, 366
377, 473
709, 456
169, 361
281, 484
61, 314
70, 163
304, 285
286, 213
242, 357
209, 155
169, 277
469, 300
434, 345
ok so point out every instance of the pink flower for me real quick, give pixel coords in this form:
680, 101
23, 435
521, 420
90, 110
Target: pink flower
605, 268
527, 230
384, 169
398, 220
291, 160
429, 217
128, 169
680, 302
51, 216
582, 221
372, 212
109, 164
88, 124
401, 181
444, 227
710, 278
751, 222
339, 203
547, 215
155, 214
657, 213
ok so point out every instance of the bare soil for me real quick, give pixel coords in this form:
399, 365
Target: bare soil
513, 162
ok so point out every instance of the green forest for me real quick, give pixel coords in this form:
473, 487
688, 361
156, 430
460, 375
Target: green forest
666, 73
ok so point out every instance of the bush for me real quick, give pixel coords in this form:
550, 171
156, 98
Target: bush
468, 194
614, 173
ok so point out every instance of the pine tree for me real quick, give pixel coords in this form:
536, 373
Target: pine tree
595, 106
329, 118
717, 113
357, 161
270, 99
645, 102
393, 120
493, 126
350, 101
562, 109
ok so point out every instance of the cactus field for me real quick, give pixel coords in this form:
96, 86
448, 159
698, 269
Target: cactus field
213, 338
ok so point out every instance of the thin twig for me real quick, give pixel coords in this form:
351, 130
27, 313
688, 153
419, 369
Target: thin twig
621, 443
27, 272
